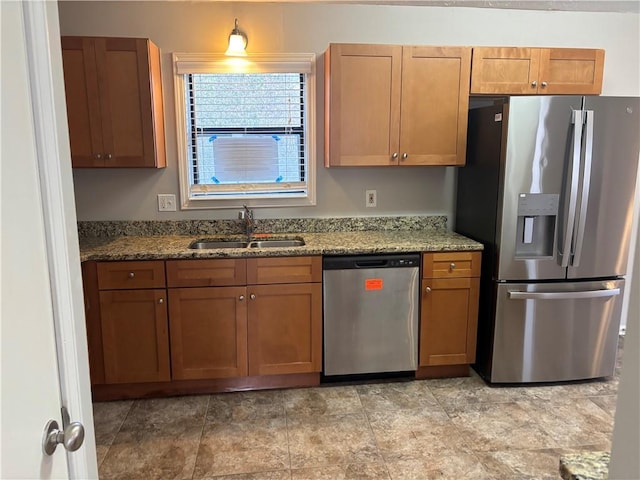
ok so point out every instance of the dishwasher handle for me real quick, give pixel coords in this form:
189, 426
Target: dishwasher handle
371, 263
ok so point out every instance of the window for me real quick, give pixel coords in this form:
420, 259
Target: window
245, 130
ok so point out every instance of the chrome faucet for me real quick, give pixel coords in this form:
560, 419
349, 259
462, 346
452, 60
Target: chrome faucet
247, 215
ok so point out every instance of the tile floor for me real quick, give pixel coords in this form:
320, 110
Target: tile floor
449, 429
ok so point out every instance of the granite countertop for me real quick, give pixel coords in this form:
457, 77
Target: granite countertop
585, 466
149, 247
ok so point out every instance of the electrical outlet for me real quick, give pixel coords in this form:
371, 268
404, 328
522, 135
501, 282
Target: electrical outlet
166, 202
371, 199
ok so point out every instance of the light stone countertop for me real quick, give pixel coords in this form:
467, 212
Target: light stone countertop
585, 466
332, 243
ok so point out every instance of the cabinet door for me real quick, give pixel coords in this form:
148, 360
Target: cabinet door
571, 71
435, 100
208, 332
135, 338
505, 70
126, 101
83, 102
449, 321
285, 329
362, 95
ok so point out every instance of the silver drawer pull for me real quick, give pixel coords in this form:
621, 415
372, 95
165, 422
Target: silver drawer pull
161, 301
241, 298
452, 266
427, 290
515, 295
252, 296
131, 274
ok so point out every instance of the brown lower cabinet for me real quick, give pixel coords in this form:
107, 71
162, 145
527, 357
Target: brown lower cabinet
218, 332
449, 314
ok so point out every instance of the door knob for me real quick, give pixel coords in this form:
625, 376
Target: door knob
405, 155
161, 300
452, 266
98, 156
252, 296
108, 156
534, 84
241, 297
395, 155
131, 274
543, 84
71, 437
427, 290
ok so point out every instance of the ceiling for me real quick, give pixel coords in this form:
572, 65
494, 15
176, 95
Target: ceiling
619, 6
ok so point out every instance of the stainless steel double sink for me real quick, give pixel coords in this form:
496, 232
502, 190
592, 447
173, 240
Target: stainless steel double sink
212, 243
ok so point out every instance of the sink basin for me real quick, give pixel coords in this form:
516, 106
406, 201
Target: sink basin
207, 244
283, 242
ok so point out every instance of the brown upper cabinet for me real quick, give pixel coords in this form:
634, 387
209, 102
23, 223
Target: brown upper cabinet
391, 105
114, 102
522, 71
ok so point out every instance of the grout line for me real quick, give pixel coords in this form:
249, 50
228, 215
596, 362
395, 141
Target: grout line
375, 440
286, 429
204, 424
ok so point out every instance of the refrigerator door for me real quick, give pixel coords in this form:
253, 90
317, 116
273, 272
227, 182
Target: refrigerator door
547, 332
535, 195
603, 226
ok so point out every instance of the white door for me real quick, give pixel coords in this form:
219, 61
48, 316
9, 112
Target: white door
39, 300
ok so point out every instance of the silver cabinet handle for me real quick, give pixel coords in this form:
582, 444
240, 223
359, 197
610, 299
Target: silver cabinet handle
405, 155
131, 274
543, 84
534, 84
515, 295
452, 266
161, 301
395, 155
98, 156
71, 437
241, 298
427, 290
108, 156
252, 296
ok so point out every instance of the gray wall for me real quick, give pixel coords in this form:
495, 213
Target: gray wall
290, 27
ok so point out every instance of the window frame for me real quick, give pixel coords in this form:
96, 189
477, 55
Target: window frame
304, 63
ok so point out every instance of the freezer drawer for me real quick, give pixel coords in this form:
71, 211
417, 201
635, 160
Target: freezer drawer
556, 331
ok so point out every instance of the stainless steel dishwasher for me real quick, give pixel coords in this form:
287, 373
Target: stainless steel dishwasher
370, 313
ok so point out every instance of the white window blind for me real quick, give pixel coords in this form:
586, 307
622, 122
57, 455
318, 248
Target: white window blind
246, 133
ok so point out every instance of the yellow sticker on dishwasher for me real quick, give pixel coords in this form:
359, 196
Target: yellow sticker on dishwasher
373, 284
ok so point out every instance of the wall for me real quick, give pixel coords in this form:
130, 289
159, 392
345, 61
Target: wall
272, 27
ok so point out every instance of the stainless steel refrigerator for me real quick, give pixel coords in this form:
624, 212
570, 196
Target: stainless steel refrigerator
548, 188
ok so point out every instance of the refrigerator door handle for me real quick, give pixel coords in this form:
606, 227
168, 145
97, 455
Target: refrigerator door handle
517, 295
565, 254
586, 181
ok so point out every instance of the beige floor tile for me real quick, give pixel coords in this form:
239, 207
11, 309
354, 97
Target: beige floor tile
188, 410
606, 402
383, 397
330, 440
150, 453
108, 418
242, 447
322, 401
353, 471
447, 465
245, 406
571, 421
270, 475
500, 426
414, 434
527, 464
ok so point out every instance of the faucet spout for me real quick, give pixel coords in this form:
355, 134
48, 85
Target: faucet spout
247, 215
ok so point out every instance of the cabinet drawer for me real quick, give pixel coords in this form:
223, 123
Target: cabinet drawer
268, 270
206, 273
130, 275
451, 264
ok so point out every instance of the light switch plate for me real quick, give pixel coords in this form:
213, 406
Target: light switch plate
166, 202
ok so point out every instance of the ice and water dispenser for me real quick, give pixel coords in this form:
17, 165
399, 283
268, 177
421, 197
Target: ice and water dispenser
537, 216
